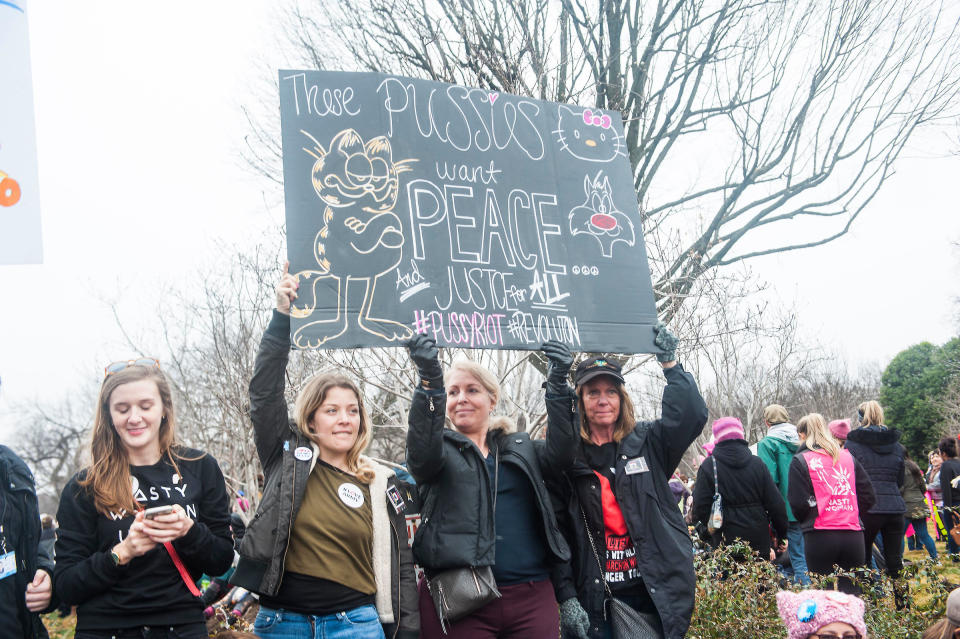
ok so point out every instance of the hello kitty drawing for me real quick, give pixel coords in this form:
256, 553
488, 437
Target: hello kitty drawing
358, 239
598, 216
588, 135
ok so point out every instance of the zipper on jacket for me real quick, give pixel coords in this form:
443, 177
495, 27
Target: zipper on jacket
286, 547
432, 407
396, 536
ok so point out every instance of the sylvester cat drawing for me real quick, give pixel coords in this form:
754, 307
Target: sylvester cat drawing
599, 217
360, 239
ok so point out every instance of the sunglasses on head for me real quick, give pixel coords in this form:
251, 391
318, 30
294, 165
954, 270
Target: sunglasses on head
116, 367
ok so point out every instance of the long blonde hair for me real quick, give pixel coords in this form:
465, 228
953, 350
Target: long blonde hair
108, 476
819, 435
625, 423
311, 398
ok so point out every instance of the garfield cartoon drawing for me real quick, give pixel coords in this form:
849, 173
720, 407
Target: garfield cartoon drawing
360, 237
599, 217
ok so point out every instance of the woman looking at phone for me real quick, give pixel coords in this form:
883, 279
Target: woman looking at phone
144, 500
327, 550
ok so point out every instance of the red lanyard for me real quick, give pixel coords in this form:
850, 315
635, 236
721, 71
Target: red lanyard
179, 564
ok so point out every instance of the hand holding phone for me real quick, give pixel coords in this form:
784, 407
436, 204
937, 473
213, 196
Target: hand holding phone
150, 513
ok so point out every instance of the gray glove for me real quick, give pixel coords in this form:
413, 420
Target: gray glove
665, 341
574, 622
559, 361
426, 357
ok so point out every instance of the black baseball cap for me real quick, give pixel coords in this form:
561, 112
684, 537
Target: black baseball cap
594, 367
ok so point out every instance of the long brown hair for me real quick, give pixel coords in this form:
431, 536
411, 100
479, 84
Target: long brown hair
625, 423
311, 398
108, 476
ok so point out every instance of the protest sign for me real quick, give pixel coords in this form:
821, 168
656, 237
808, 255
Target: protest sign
19, 194
483, 219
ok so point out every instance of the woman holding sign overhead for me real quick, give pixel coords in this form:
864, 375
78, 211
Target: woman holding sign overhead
327, 549
629, 540
144, 521
488, 539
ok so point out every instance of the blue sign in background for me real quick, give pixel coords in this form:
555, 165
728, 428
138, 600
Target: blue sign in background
483, 219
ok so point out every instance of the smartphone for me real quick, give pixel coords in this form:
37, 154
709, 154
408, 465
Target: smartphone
150, 513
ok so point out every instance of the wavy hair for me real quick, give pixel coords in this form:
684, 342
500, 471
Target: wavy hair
625, 423
819, 435
108, 476
311, 398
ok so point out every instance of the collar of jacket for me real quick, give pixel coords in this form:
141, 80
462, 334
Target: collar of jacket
628, 448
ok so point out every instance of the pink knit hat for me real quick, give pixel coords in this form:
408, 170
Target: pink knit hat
807, 611
727, 428
840, 428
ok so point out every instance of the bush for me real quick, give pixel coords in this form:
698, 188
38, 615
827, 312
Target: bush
736, 596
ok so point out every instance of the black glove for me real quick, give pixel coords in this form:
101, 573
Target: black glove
574, 622
666, 341
426, 357
559, 360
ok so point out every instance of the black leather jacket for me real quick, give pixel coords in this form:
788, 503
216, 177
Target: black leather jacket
264, 545
457, 525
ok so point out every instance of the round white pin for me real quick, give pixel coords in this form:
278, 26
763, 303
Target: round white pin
350, 495
303, 453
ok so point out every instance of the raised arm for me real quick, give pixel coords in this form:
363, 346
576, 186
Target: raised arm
425, 426
563, 423
683, 411
268, 406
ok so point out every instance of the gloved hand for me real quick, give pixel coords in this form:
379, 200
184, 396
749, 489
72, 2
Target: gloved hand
574, 622
426, 357
666, 341
559, 360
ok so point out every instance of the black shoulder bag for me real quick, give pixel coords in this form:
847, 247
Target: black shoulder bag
460, 591
625, 621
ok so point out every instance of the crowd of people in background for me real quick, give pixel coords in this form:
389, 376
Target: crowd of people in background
579, 534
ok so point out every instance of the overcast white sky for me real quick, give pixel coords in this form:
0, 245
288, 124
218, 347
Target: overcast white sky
139, 129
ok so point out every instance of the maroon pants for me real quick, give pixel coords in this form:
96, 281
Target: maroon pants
524, 611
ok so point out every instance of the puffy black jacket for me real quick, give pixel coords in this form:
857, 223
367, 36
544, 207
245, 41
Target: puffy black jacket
21, 532
751, 501
457, 524
663, 545
879, 451
264, 544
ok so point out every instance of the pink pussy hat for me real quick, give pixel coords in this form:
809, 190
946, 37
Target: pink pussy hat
727, 428
807, 611
839, 428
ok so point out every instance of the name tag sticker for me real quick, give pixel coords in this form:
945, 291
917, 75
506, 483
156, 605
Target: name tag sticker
396, 499
636, 465
8, 564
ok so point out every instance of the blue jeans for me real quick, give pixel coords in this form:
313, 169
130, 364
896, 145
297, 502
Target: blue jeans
922, 536
798, 560
359, 623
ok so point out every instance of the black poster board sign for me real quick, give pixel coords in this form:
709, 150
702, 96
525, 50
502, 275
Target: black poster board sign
483, 219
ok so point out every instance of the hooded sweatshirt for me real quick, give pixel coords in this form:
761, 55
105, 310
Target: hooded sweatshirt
777, 450
879, 451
